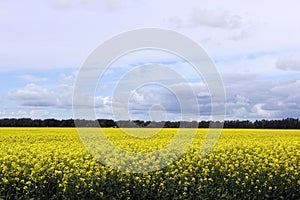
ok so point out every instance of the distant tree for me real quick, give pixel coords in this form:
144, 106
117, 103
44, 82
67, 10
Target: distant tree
288, 123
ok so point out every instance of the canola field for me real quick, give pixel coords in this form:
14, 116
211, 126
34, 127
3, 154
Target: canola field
53, 163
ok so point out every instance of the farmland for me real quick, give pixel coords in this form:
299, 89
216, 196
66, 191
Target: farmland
53, 163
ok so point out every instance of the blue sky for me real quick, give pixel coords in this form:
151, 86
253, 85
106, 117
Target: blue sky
255, 47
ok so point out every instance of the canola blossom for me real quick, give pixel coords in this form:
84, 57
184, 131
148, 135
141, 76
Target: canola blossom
53, 163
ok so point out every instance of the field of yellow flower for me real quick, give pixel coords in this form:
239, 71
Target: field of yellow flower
53, 163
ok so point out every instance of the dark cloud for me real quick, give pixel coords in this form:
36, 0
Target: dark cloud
263, 98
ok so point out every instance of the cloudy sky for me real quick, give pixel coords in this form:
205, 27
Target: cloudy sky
254, 45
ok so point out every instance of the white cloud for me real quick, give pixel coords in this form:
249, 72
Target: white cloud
287, 88
175, 22
176, 102
38, 114
241, 100
253, 48
273, 98
40, 48
18, 114
259, 111
28, 113
39, 102
33, 95
289, 63
107, 5
215, 19
257, 65
240, 34
246, 99
2, 113
32, 78
241, 113
66, 78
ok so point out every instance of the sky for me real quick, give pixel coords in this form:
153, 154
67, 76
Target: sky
254, 45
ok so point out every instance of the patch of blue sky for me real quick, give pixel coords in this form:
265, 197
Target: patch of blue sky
16, 80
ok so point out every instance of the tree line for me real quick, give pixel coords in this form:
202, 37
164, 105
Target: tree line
288, 123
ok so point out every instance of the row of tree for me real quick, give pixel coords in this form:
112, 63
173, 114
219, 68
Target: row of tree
288, 123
